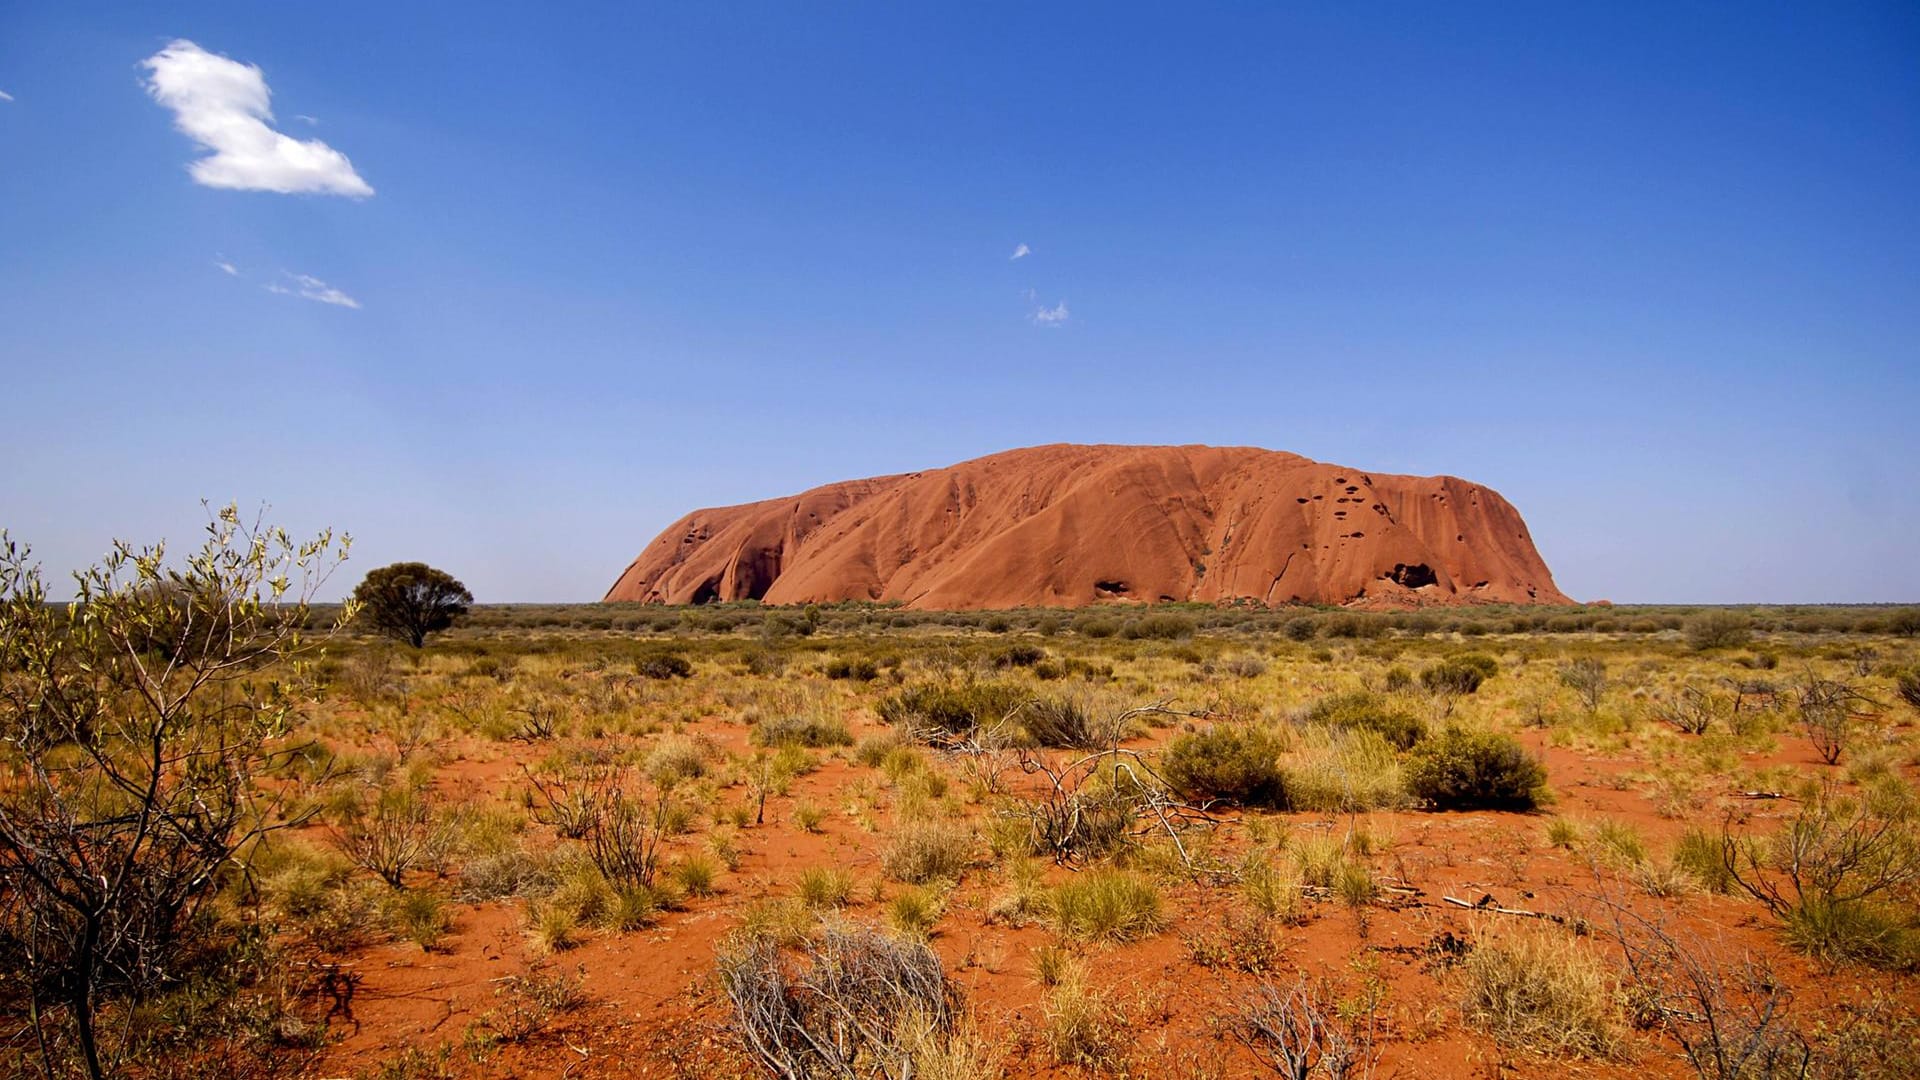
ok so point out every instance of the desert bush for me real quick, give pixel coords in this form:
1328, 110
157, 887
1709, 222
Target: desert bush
1164, 626
392, 834
1067, 722
129, 782
528, 1003
1586, 677
1233, 763
1458, 675
1906, 683
856, 668
627, 828
1835, 875
1466, 770
1302, 1032
1242, 940
1107, 905
924, 851
663, 665
952, 709
1829, 709
1082, 814
847, 1005
1361, 711
1719, 630
812, 731
1730, 1018
1692, 710
1875, 1038
1018, 654
1540, 990
1095, 626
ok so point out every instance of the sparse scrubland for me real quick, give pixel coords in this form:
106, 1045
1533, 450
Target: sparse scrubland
853, 840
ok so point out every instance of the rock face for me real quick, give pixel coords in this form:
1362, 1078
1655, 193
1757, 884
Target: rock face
1068, 525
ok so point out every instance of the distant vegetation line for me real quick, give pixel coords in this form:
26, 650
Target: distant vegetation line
1181, 620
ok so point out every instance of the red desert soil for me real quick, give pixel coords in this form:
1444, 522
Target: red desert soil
654, 1009
1068, 525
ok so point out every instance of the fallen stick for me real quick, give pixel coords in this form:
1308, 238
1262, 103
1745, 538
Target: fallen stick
1521, 912
1763, 794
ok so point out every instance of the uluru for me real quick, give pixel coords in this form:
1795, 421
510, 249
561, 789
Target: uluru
1072, 525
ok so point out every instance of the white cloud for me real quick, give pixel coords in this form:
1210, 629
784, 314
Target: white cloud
1020, 252
222, 104
1053, 316
4, 96
308, 287
312, 121
230, 269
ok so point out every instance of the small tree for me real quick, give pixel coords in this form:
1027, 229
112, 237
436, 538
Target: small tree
409, 600
1586, 677
133, 725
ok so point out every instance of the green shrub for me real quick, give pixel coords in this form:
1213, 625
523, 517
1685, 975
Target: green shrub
1163, 626
1019, 654
1719, 630
1228, 762
1107, 905
1094, 626
1362, 711
857, 668
663, 665
1470, 770
955, 708
1460, 674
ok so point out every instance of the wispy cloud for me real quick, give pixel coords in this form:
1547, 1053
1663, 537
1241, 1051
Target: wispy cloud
1020, 252
310, 121
1053, 316
308, 287
231, 270
4, 96
222, 104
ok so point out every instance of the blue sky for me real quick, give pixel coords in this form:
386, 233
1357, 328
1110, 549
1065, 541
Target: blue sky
1653, 271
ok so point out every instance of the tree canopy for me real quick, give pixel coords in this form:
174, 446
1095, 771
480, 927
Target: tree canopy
409, 600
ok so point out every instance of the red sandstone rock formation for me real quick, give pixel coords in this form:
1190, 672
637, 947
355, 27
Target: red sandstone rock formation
1068, 525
